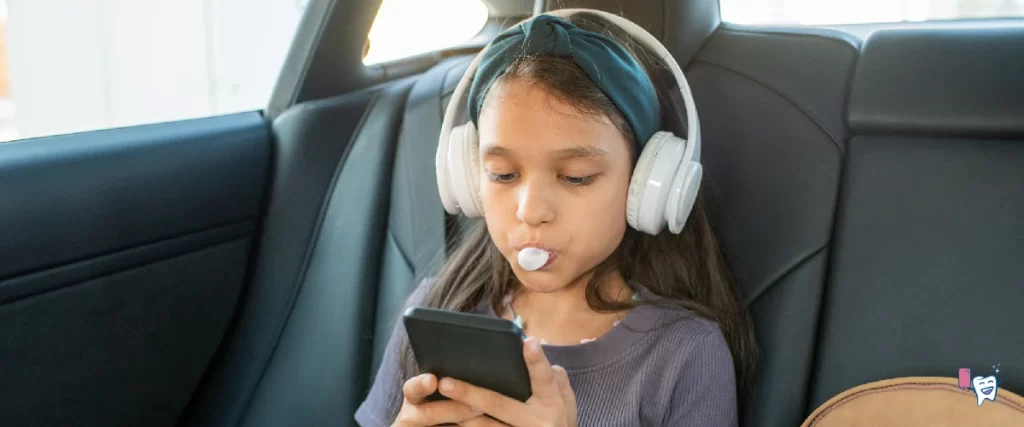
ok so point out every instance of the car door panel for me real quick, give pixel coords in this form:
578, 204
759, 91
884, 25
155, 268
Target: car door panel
76, 196
123, 254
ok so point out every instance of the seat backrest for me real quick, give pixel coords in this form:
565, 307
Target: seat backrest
928, 254
771, 111
301, 347
354, 223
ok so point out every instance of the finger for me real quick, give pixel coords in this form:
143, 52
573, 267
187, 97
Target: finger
542, 377
482, 421
442, 412
419, 387
492, 403
565, 390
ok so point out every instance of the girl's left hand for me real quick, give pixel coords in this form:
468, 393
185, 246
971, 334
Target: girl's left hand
552, 403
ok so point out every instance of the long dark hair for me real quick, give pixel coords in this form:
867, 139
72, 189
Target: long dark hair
687, 270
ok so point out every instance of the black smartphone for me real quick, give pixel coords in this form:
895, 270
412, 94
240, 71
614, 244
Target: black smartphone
481, 350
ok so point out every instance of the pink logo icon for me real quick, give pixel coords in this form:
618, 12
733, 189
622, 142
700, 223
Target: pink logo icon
964, 381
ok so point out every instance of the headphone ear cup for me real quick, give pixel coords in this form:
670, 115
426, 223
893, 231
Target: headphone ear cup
636, 185
442, 172
463, 170
650, 187
684, 194
471, 142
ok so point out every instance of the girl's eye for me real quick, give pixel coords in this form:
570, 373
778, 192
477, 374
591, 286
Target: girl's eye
502, 178
579, 181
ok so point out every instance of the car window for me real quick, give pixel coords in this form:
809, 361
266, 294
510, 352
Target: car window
405, 28
72, 66
835, 12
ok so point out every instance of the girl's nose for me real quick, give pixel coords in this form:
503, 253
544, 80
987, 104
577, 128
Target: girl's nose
535, 207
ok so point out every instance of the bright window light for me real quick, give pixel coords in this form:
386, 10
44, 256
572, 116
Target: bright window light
408, 27
835, 12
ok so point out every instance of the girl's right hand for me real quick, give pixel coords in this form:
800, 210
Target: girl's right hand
417, 413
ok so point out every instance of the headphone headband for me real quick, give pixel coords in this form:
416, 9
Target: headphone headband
606, 62
637, 33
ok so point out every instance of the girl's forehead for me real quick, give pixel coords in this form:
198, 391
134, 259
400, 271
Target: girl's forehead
517, 118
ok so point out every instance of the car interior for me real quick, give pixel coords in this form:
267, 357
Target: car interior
246, 270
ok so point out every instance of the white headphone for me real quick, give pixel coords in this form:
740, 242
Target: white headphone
664, 183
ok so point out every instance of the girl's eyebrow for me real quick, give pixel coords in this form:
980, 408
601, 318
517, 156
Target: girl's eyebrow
578, 151
581, 151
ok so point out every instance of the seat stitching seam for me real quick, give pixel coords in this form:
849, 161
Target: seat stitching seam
810, 116
783, 273
398, 247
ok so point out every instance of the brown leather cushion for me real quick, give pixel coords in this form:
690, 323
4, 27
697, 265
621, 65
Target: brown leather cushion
917, 401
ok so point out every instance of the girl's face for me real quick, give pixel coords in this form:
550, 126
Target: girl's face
553, 178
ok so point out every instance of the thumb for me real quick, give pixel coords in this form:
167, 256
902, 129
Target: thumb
565, 390
417, 388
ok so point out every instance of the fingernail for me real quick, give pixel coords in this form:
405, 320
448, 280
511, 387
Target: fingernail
475, 411
447, 385
425, 380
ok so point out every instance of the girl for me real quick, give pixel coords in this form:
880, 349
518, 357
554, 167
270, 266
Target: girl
625, 328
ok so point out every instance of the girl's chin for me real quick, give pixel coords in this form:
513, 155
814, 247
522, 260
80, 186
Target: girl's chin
541, 281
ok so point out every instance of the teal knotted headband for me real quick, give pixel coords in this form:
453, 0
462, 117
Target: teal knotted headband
607, 63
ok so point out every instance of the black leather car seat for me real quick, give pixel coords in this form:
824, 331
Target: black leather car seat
928, 260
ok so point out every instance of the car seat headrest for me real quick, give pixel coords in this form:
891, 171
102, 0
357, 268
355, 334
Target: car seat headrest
692, 21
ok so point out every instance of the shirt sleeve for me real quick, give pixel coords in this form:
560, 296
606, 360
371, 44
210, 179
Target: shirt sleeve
706, 394
385, 398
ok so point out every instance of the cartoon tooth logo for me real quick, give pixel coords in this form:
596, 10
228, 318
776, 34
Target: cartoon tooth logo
985, 388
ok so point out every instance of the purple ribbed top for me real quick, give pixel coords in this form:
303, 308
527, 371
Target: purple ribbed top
658, 367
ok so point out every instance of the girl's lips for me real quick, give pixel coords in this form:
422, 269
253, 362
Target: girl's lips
551, 259
536, 245
552, 255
